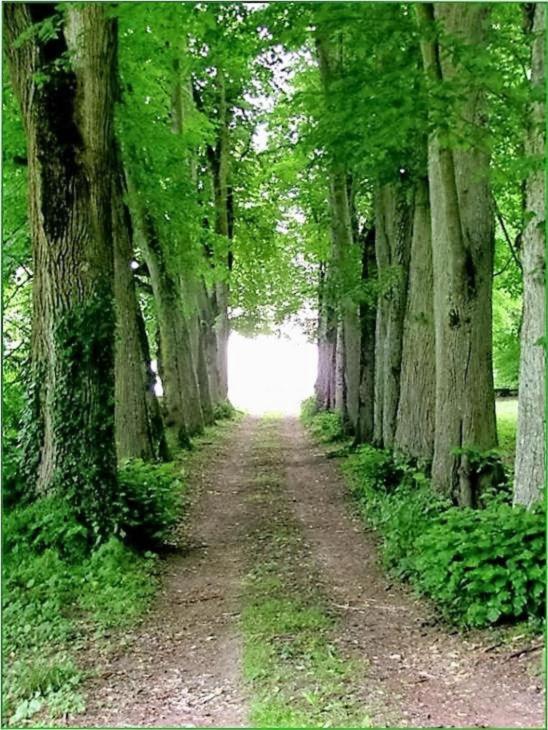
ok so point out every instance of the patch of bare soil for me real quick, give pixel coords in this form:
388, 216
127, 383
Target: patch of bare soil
420, 674
181, 666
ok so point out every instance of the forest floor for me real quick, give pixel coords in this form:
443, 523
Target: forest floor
274, 611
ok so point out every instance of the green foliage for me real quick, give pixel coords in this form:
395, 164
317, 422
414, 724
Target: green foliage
396, 499
484, 566
326, 426
149, 501
223, 410
480, 566
55, 589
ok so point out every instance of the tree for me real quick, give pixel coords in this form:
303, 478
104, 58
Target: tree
463, 244
62, 71
138, 423
529, 468
414, 434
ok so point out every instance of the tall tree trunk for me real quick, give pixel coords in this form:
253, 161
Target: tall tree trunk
68, 122
345, 260
219, 161
463, 243
198, 338
368, 315
415, 421
326, 341
393, 244
138, 424
529, 471
183, 409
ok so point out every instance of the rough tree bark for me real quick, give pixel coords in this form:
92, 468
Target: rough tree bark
182, 403
324, 387
529, 471
138, 423
68, 122
463, 242
393, 219
345, 262
368, 315
219, 163
416, 409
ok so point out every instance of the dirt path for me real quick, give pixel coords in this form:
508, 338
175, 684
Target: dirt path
419, 675
183, 665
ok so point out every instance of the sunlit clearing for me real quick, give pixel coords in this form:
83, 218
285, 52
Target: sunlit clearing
269, 373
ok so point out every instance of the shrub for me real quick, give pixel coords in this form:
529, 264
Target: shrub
116, 583
396, 499
484, 566
48, 522
149, 501
326, 426
479, 566
222, 410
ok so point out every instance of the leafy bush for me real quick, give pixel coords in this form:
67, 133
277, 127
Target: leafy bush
113, 573
150, 499
479, 566
55, 584
484, 566
225, 409
396, 499
326, 426
46, 523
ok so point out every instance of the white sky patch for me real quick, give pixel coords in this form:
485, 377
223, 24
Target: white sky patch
271, 373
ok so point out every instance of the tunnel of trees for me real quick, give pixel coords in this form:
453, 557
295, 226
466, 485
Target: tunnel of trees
175, 172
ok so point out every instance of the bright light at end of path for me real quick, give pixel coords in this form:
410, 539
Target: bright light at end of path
269, 373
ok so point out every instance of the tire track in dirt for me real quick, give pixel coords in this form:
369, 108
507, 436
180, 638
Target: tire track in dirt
182, 665
419, 675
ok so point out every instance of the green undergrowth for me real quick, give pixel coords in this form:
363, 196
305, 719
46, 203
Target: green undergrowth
325, 426
297, 675
480, 567
60, 592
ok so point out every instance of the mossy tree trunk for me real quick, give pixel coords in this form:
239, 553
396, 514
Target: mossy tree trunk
531, 443
68, 120
463, 250
182, 403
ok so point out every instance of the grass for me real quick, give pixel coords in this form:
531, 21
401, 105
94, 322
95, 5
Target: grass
507, 418
297, 675
50, 605
57, 599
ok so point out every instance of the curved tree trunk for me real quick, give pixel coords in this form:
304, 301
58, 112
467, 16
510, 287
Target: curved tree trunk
415, 420
463, 249
68, 121
529, 472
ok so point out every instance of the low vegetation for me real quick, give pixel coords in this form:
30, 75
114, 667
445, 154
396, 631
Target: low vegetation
479, 566
57, 592
297, 674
